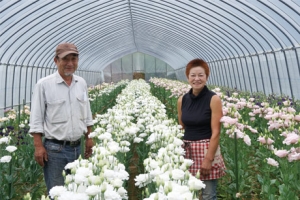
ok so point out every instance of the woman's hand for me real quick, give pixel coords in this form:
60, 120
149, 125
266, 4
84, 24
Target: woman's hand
205, 167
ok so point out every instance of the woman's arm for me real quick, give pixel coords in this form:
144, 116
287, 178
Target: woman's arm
216, 115
179, 103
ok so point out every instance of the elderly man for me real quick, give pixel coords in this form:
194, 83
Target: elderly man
61, 114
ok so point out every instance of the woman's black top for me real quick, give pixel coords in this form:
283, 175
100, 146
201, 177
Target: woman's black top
196, 115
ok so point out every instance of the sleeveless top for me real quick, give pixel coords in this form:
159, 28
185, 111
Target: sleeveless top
196, 115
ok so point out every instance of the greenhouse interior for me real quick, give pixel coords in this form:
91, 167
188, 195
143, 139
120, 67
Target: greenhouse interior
133, 56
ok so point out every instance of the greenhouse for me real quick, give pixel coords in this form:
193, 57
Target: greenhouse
133, 58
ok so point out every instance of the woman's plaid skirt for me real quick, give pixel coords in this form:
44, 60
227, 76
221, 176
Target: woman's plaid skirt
196, 151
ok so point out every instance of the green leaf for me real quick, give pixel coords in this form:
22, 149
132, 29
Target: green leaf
260, 179
265, 189
273, 181
9, 178
231, 173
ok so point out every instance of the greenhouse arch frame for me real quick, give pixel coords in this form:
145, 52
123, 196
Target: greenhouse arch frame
249, 45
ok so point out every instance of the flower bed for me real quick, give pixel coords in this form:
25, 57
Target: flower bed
260, 145
259, 139
137, 118
16, 181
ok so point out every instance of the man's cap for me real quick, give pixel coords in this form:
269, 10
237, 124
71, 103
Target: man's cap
64, 49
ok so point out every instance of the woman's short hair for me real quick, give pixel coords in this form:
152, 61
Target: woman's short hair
197, 63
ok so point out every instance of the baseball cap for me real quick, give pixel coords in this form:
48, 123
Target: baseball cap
64, 49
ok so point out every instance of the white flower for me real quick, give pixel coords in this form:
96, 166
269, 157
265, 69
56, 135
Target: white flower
68, 178
177, 142
5, 159
117, 183
92, 135
155, 196
84, 171
122, 192
281, 153
272, 162
195, 184
3, 119
4, 140
187, 195
109, 174
72, 165
291, 138
124, 149
179, 192
120, 166
74, 196
93, 190
80, 179
44, 197
137, 140
27, 111
81, 188
247, 140
164, 177
188, 162
57, 191
11, 148
101, 150
155, 172
179, 151
153, 164
105, 136
95, 180
177, 174
131, 130
123, 175
113, 147
142, 135
110, 194
125, 143
142, 180
84, 162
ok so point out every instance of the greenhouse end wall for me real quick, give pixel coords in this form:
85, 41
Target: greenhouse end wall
125, 67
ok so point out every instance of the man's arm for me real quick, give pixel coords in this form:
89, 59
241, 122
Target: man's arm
88, 143
37, 124
40, 154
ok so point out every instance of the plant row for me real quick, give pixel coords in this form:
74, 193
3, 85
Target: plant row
259, 141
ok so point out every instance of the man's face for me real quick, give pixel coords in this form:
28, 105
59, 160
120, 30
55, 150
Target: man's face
67, 65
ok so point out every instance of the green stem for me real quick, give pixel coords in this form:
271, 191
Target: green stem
236, 163
10, 185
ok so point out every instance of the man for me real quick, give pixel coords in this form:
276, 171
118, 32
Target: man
60, 112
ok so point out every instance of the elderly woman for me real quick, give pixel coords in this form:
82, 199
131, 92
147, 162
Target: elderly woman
199, 113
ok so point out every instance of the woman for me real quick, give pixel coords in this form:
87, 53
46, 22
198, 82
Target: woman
199, 113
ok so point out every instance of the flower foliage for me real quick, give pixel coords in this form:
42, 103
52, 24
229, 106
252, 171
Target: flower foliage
265, 131
138, 122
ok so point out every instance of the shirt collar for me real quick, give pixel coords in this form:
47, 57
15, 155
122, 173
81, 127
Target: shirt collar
59, 79
202, 93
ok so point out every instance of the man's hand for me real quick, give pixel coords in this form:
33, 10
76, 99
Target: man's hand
88, 147
40, 155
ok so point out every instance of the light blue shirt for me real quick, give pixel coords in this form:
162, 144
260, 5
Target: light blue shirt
59, 111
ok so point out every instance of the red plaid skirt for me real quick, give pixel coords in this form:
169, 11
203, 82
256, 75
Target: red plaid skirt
196, 150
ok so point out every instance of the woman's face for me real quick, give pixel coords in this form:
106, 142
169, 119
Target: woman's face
197, 78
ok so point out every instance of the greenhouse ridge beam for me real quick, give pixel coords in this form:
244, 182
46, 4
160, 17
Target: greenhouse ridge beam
92, 10
132, 26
